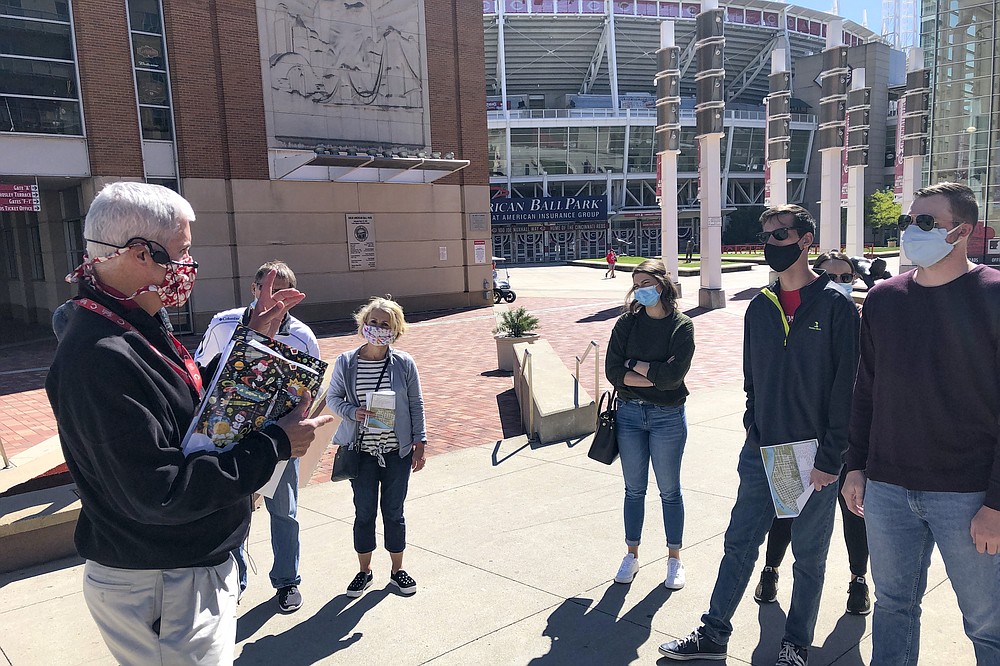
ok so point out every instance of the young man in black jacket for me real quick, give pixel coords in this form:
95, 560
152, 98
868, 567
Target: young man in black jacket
156, 526
800, 358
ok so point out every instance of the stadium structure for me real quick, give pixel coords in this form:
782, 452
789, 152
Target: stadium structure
571, 113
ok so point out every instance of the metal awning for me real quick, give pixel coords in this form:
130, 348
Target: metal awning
363, 168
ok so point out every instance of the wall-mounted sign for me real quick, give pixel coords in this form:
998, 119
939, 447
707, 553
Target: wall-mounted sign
480, 251
361, 241
549, 209
19, 198
479, 222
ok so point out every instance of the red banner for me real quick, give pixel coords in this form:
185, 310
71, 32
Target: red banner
767, 160
19, 198
897, 186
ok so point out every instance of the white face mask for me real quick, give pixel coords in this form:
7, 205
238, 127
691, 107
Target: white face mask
926, 248
845, 289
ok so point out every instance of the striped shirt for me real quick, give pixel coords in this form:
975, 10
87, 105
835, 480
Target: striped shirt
366, 381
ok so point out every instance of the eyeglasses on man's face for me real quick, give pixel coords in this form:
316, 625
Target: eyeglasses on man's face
925, 222
779, 234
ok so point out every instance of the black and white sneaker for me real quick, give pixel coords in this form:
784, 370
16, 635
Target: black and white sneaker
693, 646
404, 582
360, 583
289, 599
792, 655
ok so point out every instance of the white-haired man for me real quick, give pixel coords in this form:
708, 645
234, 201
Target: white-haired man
282, 507
156, 527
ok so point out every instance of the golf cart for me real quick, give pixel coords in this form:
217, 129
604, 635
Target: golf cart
501, 283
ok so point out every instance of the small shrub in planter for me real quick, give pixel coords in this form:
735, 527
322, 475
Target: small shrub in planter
515, 323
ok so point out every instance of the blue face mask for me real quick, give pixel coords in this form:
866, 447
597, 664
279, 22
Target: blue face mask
647, 295
926, 248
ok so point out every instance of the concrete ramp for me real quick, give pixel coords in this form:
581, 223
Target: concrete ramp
549, 408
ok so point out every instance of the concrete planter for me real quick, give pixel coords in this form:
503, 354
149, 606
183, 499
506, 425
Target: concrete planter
505, 349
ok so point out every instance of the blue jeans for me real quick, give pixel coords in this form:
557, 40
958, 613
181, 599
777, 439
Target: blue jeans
903, 526
284, 532
645, 433
751, 519
393, 480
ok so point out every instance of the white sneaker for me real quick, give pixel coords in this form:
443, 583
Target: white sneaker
675, 574
628, 569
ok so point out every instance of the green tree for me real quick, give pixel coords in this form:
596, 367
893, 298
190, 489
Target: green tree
882, 212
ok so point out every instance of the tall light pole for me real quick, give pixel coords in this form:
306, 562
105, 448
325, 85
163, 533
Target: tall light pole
668, 129
832, 115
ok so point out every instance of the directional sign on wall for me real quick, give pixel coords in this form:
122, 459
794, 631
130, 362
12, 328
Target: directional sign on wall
19, 198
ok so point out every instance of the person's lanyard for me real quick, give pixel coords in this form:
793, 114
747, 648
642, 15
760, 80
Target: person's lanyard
189, 373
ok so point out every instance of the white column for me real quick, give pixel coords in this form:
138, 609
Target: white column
668, 187
612, 55
912, 166
778, 168
830, 169
856, 191
711, 222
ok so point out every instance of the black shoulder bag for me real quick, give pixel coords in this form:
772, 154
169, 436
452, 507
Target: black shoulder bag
604, 448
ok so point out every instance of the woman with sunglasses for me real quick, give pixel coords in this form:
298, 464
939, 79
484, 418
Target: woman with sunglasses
648, 356
842, 274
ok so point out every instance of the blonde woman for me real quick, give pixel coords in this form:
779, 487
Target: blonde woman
387, 458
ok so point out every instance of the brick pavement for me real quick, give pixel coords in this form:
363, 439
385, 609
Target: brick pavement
468, 401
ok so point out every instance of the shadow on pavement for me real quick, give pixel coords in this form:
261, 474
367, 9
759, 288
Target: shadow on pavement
509, 411
771, 619
603, 315
843, 644
41, 569
745, 295
497, 460
327, 632
584, 635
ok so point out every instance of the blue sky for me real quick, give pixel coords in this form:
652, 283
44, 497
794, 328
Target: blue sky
849, 9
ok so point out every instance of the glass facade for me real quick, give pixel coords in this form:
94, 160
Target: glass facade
39, 93
152, 85
959, 42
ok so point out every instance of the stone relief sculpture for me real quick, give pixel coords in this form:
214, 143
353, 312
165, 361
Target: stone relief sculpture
360, 64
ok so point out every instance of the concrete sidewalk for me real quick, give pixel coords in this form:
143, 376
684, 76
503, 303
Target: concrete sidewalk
514, 548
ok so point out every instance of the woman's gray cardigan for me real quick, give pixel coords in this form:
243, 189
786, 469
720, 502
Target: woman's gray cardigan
403, 379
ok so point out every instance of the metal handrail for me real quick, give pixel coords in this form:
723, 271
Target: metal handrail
597, 372
526, 373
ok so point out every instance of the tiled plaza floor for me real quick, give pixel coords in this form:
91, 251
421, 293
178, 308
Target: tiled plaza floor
468, 401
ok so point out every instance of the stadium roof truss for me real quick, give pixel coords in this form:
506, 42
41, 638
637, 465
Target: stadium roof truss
551, 53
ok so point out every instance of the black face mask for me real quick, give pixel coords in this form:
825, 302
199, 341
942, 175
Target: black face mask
781, 257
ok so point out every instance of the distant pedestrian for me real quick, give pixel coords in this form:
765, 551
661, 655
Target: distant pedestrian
648, 356
688, 251
612, 259
387, 457
924, 460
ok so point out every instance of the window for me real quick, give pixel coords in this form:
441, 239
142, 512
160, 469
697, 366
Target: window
152, 84
39, 93
35, 247
75, 245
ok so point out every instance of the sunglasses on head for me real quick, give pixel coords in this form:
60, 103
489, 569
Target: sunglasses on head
157, 252
781, 233
925, 222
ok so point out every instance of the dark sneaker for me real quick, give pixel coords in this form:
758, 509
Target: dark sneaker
792, 655
767, 588
694, 646
289, 599
360, 583
402, 580
858, 601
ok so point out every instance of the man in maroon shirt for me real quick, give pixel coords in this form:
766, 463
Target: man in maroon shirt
924, 451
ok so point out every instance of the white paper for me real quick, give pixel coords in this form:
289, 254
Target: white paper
788, 467
383, 403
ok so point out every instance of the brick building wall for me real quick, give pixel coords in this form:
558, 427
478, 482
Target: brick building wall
457, 86
108, 91
217, 94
